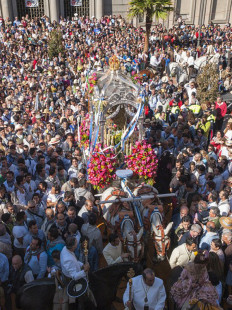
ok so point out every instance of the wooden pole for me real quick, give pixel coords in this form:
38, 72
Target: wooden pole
130, 275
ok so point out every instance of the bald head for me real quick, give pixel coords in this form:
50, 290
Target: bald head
148, 276
210, 226
49, 213
17, 262
184, 210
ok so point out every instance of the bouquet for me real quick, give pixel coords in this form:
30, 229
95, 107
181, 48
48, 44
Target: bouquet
143, 161
102, 167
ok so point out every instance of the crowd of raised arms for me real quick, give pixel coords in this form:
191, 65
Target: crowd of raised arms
46, 201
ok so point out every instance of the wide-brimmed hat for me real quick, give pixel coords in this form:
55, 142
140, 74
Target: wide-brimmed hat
18, 127
54, 141
228, 143
46, 111
15, 109
226, 222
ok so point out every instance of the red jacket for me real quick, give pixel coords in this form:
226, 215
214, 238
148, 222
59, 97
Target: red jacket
221, 109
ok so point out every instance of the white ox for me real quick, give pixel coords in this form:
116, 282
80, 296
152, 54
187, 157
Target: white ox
204, 60
180, 71
153, 214
111, 213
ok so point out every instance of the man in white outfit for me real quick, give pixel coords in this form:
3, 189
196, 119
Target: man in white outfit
113, 251
148, 292
71, 267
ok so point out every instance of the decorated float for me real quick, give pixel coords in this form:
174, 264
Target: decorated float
112, 138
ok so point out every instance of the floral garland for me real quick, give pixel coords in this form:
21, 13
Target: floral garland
143, 161
102, 167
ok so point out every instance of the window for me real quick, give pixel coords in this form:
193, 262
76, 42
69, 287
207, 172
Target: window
32, 12
141, 18
82, 10
219, 10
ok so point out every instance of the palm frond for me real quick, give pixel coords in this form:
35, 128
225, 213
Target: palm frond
159, 8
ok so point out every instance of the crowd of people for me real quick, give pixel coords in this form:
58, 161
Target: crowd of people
47, 206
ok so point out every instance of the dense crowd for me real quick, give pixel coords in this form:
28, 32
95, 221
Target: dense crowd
47, 206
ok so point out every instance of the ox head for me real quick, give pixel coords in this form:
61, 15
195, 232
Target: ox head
134, 244
161, 239
173, 68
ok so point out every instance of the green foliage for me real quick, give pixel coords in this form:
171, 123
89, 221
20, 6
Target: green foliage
151, 8
157, 8
55, 44
207, 82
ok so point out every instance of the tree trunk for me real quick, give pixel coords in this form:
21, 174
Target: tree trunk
148, 31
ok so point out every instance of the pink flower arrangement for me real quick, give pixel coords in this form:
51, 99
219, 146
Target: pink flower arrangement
92, 82
143, 161
102, 167
84, 132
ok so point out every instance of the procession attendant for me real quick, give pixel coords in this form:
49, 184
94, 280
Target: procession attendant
71, 267
113, 251
183, 254
148, 292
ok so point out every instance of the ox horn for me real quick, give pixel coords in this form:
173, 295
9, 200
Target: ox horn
140, 233
168, 228
156, 231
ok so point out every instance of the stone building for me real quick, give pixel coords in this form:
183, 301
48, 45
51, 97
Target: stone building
192, 11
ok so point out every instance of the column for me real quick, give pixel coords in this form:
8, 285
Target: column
46, 8
91, 8
62, 8
6, 9
14, 8
54, 10
98, 9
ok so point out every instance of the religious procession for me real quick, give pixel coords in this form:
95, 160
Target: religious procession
115, 163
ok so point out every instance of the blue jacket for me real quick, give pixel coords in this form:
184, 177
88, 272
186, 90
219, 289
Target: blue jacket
92, 257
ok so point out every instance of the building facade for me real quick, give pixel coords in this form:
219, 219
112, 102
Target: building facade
192, 11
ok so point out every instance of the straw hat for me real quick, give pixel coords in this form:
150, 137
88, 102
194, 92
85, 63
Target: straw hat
46, 111
18, 127
15, 109
226, 222
54, 141
229, 143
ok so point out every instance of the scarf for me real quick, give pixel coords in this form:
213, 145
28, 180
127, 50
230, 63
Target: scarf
31, 253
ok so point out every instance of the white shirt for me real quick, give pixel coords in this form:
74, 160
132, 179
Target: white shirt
112, 254
189, 92
224, 208
30, 188
154, 61
156, 294
71, 267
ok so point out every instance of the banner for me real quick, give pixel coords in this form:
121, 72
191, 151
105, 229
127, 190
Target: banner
76, 2
31, 3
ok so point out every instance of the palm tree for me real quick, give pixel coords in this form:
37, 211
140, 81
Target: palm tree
157, 8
